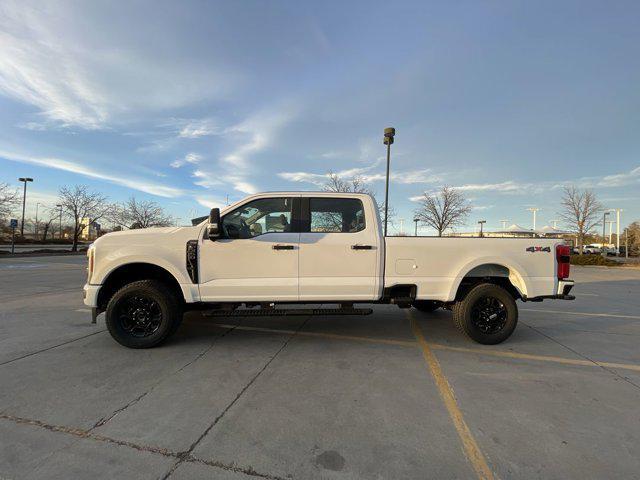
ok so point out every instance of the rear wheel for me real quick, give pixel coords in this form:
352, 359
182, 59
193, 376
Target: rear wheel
426, 305
487, 314
143, 314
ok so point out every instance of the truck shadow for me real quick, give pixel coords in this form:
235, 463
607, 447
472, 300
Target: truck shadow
605, 307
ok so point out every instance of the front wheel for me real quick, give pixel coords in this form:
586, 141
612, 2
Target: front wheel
487, 314
143, 314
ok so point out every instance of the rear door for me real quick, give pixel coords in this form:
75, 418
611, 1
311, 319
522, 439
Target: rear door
339, 255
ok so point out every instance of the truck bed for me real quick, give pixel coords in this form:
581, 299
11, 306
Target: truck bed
437, 265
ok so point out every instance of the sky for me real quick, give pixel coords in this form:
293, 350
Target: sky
194, 104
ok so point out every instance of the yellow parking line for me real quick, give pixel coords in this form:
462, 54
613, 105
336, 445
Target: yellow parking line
439, 346
539, 358
585, 314
471, 448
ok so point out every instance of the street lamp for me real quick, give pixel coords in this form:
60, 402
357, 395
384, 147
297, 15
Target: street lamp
618, 210
389, 133
60, 222
25, 180
481, 222
534, 210
416, 220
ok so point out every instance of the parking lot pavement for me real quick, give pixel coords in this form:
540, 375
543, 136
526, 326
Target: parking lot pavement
396, 394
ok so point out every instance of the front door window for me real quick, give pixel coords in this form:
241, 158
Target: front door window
262, 216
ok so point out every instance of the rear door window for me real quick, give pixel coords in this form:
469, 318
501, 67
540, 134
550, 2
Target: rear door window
336, 215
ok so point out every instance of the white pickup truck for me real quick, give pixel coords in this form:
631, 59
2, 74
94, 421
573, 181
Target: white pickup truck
272, 249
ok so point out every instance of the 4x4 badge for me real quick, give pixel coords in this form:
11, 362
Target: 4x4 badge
539, 249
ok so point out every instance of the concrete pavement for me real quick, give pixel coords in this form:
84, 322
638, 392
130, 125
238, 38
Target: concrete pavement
318, 397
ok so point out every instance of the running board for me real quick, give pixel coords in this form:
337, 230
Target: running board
287, 312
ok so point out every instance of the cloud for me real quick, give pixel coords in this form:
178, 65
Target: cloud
364, 173
68, 166
51, 57
210, 202
192, 158
621, 179
199, 128
205, 180
502, 187
513, 187
255, 135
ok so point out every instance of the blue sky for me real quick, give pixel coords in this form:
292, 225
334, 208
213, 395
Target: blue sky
189, 102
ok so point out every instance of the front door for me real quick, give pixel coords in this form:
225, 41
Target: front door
256, 256
339, 250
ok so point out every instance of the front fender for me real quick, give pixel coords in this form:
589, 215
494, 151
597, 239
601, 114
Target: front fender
163, 257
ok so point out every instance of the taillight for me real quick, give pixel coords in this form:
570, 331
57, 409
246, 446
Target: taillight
563, 257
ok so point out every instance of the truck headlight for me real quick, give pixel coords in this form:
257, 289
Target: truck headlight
90, 259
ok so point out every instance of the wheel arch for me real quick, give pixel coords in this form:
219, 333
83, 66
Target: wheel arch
491, 270
131, 272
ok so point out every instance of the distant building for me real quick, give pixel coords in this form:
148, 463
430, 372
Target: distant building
90, 231
516, 231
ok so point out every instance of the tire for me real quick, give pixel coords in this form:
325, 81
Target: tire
487, 314
143, 314
426, 305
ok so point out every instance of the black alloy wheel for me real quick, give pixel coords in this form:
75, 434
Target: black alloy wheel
489, 315
139, 315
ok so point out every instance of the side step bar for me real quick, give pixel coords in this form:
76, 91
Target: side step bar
286, 312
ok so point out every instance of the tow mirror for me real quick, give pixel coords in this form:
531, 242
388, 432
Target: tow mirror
213, 229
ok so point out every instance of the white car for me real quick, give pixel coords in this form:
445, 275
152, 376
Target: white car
294, 248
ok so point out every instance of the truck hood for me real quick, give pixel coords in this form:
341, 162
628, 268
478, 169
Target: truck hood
148, 236
143, 231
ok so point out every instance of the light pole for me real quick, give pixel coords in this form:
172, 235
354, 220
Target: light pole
618, 210
534, 210
416, 220
481, 222
60, 222
25, 180
389, 133
554, 224
504, 224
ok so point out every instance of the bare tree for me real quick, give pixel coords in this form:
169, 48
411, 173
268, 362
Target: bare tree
8, 200
140, 214
633, 238
581, 212
83, 206
354, 185
443, 209
46, 228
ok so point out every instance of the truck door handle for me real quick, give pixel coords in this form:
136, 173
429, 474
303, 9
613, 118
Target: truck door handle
283, 247
357, 246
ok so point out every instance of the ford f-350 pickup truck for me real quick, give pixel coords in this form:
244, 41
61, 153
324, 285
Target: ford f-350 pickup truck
272, 249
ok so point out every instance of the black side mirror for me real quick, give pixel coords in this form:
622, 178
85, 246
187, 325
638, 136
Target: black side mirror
213, 229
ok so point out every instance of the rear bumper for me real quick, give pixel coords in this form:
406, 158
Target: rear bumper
562, 293
564, 287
